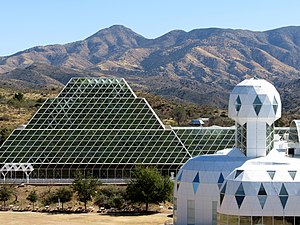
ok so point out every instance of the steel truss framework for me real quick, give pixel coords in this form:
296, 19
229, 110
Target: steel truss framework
12, 168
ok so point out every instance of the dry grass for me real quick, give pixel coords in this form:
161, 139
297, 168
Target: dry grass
31, 218
11, 115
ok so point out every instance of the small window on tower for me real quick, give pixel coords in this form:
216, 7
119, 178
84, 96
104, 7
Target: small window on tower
238, 104
275, 105
257, 105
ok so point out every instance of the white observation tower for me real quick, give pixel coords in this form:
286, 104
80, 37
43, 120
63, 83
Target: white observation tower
254, 105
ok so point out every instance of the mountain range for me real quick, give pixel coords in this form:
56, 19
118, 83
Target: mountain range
199, 66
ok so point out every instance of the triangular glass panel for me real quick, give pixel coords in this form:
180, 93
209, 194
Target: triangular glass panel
257, 105
283, 191
257, 109
240, 190
221, 198
257, 101
271, 173
224, 189
292, 173
275, 105
195, 187
237, 173
262, 200
238, 104
196, 179
283, 200
239, 200
262, 190
220, 180
180, 176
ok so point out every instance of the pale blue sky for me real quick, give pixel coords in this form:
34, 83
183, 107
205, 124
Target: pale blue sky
29, 23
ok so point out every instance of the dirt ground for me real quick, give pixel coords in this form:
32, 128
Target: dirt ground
32, 218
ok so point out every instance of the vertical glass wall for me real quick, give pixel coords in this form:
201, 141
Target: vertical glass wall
214, 207
257, 220
190, 212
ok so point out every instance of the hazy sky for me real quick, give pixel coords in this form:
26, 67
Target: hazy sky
28, 23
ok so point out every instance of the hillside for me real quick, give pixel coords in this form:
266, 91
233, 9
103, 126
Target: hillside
200, 66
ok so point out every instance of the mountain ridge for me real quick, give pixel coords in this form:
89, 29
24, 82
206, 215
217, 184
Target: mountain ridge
181, 65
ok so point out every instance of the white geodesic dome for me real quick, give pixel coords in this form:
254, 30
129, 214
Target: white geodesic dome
254, 99
267, 186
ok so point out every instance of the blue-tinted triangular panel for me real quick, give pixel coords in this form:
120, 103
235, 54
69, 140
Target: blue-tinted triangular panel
222, 193
240, 190
262, 190
271, 173
292, 173
283, 191
238, 104
283, 200
220, 180
257, 109
221, 198
195, 187
237, 173
275, 105
239, 200
257, 101
196, 179
224, 189
262, 200
180, 176
257, 105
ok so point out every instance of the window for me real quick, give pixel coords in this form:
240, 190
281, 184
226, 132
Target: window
214, 212
190, 212
238, 104
257, 105
240, 195
283, 196
275, 105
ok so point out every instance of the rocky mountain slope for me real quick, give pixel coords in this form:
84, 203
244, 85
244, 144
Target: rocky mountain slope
199, 66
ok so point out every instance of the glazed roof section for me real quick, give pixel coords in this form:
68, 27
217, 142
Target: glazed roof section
96, 103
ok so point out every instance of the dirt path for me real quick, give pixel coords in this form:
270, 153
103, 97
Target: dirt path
29, 218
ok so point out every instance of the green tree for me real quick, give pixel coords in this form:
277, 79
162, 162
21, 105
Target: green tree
110, 197
179, 114
100, 200
32, 197
85, 189
47, 197
148, 186
5, 193
64, 195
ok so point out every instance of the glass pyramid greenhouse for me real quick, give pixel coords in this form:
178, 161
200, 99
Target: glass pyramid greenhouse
95, 125
100, 127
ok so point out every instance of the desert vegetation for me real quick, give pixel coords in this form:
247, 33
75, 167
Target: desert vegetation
145, 191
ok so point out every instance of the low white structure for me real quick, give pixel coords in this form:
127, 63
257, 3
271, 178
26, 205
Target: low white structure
198, 184
264, 190
255, 182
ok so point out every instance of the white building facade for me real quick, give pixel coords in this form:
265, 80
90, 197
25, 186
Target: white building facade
255, 182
